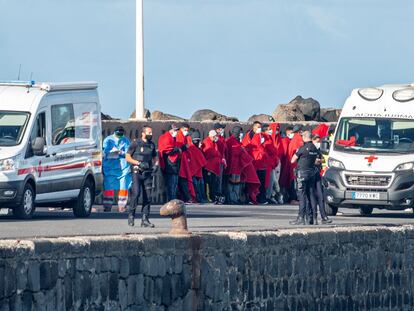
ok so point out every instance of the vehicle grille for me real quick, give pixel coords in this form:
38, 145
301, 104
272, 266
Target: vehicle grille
368, 180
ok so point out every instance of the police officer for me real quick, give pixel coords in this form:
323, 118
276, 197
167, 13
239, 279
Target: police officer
306, 157
142, 156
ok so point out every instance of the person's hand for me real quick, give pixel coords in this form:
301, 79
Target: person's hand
224, 162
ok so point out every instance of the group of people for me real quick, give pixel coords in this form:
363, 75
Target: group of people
259, 166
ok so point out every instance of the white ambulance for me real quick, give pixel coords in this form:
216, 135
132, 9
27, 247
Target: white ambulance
50, 146
371, 159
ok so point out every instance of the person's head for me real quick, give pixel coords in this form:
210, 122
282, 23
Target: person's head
196, 137
212, 135
306, 136
237, 132
219, 128
316, 139
257, 127
267, 129
289, 132
173, 129
185, 128
146, 133
297, 129
119, 131
277, 129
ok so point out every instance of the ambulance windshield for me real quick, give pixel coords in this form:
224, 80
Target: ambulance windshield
12, 126
375, 135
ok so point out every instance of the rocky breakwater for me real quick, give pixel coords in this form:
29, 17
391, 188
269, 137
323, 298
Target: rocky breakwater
357, 268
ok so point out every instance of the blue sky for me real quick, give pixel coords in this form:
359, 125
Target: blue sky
238, 57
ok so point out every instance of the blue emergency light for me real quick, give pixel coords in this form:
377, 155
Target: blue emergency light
18, 83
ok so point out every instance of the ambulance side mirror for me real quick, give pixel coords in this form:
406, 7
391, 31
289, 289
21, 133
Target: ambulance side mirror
325, 146
38, 146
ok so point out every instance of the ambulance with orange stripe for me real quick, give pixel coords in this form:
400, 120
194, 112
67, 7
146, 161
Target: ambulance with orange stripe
50, 146
371, 160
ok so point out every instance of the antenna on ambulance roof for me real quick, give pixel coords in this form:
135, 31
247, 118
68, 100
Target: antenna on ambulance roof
18, 75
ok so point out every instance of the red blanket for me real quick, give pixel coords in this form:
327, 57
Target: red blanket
166, 144
321, 130
294, 145
284, 179
212, 156
256, 150
241, 163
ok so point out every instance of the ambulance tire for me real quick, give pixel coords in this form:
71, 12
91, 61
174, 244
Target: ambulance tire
331, 210
82, 207
27, 206
365, 210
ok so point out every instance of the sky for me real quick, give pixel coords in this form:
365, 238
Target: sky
237, 57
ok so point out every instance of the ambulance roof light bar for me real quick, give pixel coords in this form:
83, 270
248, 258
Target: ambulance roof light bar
30, 83
67, 86
404, 95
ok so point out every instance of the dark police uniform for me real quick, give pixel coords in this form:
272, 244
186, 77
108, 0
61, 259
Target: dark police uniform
307, 155
143, 152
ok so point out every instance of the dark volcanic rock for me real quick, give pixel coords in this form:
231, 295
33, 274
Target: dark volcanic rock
161, 116
288, 112
210, 115
106, 117
264, 118
330, 114
298, 109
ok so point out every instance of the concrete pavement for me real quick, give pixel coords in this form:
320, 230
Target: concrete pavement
201, 218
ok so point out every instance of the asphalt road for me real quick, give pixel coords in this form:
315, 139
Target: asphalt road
200, 218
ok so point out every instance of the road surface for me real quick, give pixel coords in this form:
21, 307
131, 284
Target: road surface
200, 218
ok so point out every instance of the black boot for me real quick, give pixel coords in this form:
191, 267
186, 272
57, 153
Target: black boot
298, 221
146, 223
326, 220
131, 219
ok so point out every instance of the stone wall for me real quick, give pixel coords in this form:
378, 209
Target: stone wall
310, 269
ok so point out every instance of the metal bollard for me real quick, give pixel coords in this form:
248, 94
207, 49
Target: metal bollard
176, 209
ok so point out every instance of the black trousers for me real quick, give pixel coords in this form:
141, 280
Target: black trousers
141, 183
306, 193
212, 180
183, 187
261, 198
320, 201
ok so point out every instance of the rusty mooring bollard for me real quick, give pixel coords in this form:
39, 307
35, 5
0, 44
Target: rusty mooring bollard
177, 211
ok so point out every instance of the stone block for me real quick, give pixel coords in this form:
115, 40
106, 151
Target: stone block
48, 274
123, 294
33, 275
124, 268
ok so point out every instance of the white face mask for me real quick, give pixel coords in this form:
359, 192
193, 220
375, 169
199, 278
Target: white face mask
258, 130
215, 139
277, 133
241, 135
317, 145
174, 134
262, 140
270, 132
222, 133
291, 135
185, 133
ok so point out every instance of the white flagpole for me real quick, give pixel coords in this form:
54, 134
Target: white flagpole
139, 70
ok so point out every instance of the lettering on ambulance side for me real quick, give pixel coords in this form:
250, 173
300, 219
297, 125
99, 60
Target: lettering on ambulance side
385, 115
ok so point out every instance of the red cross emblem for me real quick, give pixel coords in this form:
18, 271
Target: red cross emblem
371, 159
39, 169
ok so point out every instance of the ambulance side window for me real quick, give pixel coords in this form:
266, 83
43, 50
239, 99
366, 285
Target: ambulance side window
39, 130
63, 124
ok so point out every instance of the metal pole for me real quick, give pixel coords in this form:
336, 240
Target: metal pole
139, 91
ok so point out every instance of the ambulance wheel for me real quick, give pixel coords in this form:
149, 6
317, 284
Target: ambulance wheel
331, 210
26, 208
82, 207
365, 210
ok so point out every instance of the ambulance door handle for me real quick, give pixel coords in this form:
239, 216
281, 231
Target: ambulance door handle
53, 154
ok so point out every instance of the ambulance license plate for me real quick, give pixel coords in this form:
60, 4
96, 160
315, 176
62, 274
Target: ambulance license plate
365, 195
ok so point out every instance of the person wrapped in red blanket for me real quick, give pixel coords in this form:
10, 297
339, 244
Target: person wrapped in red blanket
212, 168
169, 154
253, 141
240, 170
294, 145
